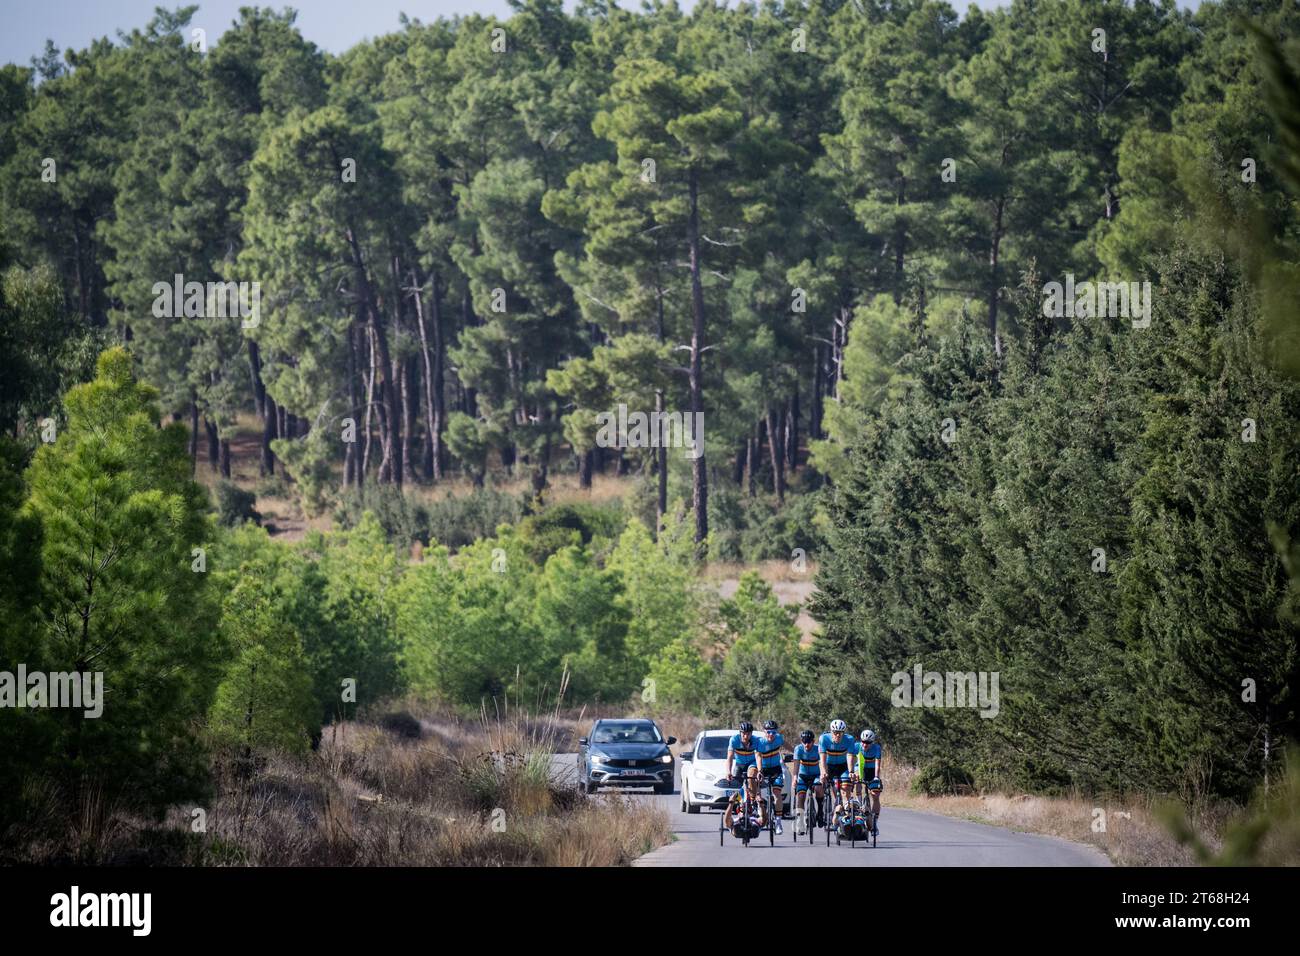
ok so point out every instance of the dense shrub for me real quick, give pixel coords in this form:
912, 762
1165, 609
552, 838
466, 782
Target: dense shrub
562, 525
457, 522
939, 778
403, 520
235, 505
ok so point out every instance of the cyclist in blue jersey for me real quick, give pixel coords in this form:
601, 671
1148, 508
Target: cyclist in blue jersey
740, 751
769, 765
742, 764
837, 747
808, 756
869, 766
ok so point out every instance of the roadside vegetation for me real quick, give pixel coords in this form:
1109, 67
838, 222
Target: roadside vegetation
829, 228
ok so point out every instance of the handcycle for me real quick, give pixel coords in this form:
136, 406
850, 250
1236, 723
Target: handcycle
747, 806
860, 818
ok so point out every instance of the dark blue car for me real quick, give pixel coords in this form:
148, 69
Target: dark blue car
625, 752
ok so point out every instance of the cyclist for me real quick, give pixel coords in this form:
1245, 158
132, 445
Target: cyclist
732, 818
808, 756
836, 748
869, 761
769, 765
740, 750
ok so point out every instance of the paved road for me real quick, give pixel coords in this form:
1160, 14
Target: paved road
907, 838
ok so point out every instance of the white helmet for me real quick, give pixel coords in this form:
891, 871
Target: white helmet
838, 726
868, 736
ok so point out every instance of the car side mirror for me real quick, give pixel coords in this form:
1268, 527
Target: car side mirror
671, 741
687, 756
582, 741
786, 758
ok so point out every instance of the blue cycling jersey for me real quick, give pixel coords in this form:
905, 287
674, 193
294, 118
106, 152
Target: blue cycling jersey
868, 761
744, 752
769, 749
808, 759
838, 754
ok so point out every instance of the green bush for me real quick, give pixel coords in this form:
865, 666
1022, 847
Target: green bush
403, 520
562, 525
775, 533
457, 522
940, 778
756, 529
235, 505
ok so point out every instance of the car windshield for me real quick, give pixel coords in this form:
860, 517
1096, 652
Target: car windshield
712, 748
629, 733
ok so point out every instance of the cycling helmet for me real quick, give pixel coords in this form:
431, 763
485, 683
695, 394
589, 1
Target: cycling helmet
770, 726
868, 736
806, 736
746, 727
838, 725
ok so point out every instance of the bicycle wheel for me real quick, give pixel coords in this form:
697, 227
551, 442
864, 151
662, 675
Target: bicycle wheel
771, 820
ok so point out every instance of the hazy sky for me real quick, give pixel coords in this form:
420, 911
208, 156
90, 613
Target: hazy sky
333, 25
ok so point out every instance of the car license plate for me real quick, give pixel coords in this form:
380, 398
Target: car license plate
633, 773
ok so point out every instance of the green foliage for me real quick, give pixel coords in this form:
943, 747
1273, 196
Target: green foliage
941, 779
235, 505
560, 525
120, 517
265, 697
464, 519
403, 520
759, 529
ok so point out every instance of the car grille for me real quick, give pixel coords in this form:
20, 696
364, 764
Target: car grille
632, 764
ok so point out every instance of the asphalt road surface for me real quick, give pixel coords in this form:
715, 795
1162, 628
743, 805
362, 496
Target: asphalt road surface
907, 838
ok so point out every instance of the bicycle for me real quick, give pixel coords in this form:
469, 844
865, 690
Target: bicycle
831, 787
769, 804
872, 816
809, 811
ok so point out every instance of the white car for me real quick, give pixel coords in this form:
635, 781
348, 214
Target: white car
704, 771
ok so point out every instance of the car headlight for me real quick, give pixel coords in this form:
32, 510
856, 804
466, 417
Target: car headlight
666, 758
598, 758
704, 776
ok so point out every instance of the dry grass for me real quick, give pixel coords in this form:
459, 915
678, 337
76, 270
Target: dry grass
411, 789
773, 572
1133, 834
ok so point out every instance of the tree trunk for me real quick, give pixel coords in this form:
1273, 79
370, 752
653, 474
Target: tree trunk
585, 460
270, 432
776, 452
225, 458
255, 371
469, 320
815, 414
388, 398
370, 404
792, 433
751, 460
214, 445
434, 412
351, 469
994, 251
700, 489
194, 432
410, 415
661, 460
